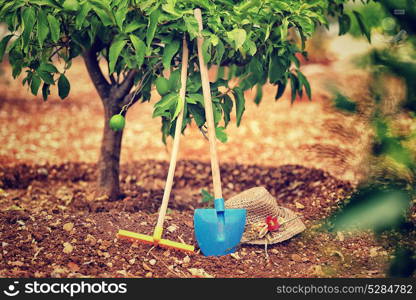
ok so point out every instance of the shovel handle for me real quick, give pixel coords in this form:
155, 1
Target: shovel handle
215, 169
175, 149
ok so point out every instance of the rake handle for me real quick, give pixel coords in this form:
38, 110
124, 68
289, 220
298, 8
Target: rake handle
175, 148
215, 169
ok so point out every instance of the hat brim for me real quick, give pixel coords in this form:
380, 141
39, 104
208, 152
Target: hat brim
288, 230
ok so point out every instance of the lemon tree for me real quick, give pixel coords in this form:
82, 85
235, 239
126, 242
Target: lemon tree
140, 40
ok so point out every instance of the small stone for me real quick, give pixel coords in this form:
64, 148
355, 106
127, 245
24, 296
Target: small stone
152, 262
73, 266
274, 251
42, 172
340, 236
296, 257
132, 261
68, 226
149, 275
186, 260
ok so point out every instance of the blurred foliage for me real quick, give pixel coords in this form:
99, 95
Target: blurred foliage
383, 203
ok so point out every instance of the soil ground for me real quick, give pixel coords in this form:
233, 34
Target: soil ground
307, 155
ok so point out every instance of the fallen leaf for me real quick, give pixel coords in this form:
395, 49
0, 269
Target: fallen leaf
67, 248
68, 226
200, 273
146, 267
73, 266
235, 256
172, 228
299, 205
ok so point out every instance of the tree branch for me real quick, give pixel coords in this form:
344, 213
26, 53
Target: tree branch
124, 88
91, 62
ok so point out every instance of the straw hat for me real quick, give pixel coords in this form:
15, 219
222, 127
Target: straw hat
262, 214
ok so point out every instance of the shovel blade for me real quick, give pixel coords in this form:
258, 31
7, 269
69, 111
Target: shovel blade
218, 234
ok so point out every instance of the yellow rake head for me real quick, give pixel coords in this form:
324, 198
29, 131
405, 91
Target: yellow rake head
151, 240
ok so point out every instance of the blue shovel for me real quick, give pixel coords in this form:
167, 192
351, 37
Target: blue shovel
218, 230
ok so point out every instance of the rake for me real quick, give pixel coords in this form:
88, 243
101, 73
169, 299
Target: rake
156, 238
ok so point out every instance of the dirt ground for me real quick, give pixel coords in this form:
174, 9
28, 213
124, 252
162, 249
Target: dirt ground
307, 155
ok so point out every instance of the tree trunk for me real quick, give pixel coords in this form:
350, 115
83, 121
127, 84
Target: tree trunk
113, 97
109, 160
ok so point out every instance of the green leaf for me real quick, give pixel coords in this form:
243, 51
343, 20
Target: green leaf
133, 25
239, 103
47, 67
198, 113
51, 3
167, 101
45, 91
191, 25
63, 86
35, 84
206, 48
283, 29
344, 24
140, 48
220, 49
169, 52
217, 110
206, 196
227, 106
343, 103
280, 90
114, 53
29, 19
197, 98
80, 19
238, 36
3, 45
362, 25
120, 16
304, 81
46, 76
104, 12
54, 27
42, 27
221, 135
294, 84
259, 94
179, 107
151, 29
277, 69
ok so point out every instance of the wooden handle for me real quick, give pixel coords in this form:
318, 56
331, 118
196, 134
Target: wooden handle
175, 149
209, 115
